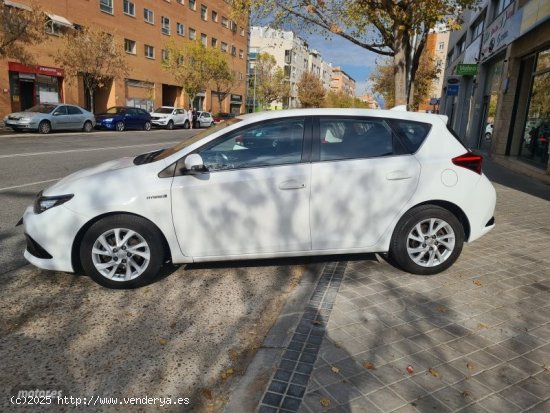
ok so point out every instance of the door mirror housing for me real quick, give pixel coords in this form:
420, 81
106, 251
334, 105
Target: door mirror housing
194, 164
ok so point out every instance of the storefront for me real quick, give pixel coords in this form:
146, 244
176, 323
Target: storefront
30, 85
236, 104
534, 144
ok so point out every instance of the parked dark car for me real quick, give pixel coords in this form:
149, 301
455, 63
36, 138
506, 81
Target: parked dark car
120, 118
48, 117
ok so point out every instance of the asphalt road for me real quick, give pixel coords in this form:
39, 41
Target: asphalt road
189, 334
31, 162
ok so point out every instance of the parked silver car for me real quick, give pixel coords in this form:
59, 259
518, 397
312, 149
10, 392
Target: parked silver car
47, 117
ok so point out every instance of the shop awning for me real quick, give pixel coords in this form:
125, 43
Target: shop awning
17, 5
62, 21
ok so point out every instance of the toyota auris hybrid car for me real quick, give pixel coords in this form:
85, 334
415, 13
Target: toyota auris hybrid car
273, 184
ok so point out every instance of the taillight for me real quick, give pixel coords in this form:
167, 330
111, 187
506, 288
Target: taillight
469, 160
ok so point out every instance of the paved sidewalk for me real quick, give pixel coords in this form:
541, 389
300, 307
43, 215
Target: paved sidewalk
473, 339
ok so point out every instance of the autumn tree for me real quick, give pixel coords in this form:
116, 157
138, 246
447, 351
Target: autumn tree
311, 91
269, 83
383, 79
394, 28
94, 56
20, 26
189, 63
340, 99
223, 78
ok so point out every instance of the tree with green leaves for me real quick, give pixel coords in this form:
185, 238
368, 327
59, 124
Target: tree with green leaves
20, 26
340, 99
311, 91
189, 63
393, 28
94, 56
269, 83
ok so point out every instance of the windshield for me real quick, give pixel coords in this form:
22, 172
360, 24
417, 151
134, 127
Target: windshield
164, 110
42, 108
116, 109
184, 144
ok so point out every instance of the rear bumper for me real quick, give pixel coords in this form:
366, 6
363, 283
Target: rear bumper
481, 209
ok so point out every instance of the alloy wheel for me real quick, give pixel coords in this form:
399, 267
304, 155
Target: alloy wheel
431, 242
119, 126
120, 254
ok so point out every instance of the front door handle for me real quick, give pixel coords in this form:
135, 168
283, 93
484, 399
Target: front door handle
291, 184
398, 176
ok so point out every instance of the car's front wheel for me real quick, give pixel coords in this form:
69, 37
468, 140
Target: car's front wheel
147, 126
45, 127
122, 251
427, 240
170, 125
186, 125
119, 126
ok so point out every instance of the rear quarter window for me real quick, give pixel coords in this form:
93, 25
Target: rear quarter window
413, 133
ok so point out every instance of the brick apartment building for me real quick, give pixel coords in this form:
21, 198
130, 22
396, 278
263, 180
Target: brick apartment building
342, 82
144, 26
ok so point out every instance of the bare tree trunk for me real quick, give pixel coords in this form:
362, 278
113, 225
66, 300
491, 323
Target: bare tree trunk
92, 109
400, 66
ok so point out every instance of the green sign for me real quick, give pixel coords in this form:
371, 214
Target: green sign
466, 69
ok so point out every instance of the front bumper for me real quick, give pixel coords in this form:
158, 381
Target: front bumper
105, 125
21, 125
51, 234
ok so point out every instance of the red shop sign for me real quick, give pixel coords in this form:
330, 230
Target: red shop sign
40, 70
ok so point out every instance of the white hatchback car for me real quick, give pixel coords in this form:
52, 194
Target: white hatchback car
270, 185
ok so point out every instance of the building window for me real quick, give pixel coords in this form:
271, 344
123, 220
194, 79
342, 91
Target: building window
460, 45
214, 42
441, 46
240, 75
241, 53
192, 34
192, 4
214, 16
204, 12
204, 39
129, 8
180, 29
242, 32
129, 46
500, 6
164, 55
54, 28
233, 51
149, 16
149, 52
180, 1
165, 25
225, 22
106, 6
224, 47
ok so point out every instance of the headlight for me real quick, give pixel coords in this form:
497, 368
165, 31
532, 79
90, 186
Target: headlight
26, 120
43, 203
107, 120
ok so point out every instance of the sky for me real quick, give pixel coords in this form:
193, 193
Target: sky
354, 60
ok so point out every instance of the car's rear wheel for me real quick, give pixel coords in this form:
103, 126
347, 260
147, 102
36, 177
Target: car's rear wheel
170, 125
44, 127
122, 251
88, 127
147, 126
119, 126
427, 240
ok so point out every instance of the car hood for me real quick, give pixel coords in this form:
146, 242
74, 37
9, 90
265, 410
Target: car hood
106, 115
160, 115
26, 114
72, 182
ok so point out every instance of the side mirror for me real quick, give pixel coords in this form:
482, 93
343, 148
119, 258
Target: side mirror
194, 164
56, 113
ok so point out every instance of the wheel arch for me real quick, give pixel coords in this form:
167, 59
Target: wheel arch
75, 250
454, 209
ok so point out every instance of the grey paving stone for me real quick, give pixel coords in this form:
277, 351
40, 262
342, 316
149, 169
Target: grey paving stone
429, 382
462, 345
425, 359
386, 399
325, 376
408, 390
543, 407
527, 365
520, 397
500, 377
363, 404
495, 403
430, 404
484, 359
453, 398
366, 383
343, 392
388, 374
472, 390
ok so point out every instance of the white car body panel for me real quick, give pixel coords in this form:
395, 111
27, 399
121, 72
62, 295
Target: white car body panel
178, 116
245, 213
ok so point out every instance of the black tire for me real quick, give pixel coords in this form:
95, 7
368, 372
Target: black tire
145, 229
88, 127
119, 126
147, 126
186, 125
400, 240
170, 125
44, 127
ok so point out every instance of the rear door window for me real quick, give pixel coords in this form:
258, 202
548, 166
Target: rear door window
74, 110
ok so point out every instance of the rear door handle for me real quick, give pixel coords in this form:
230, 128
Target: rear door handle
398, 176
291, 184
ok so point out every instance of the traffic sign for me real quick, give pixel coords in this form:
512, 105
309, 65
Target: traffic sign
452, 90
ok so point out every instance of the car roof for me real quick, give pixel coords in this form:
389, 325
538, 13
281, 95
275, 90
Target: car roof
376, 113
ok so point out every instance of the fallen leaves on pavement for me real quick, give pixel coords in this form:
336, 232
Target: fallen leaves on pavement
227, 373
482, 326
546, 367
433, 372
369, 365
335, 370
442, 309
465, 394
477, 282
470, 366
163, 341
325, 402
207, 393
